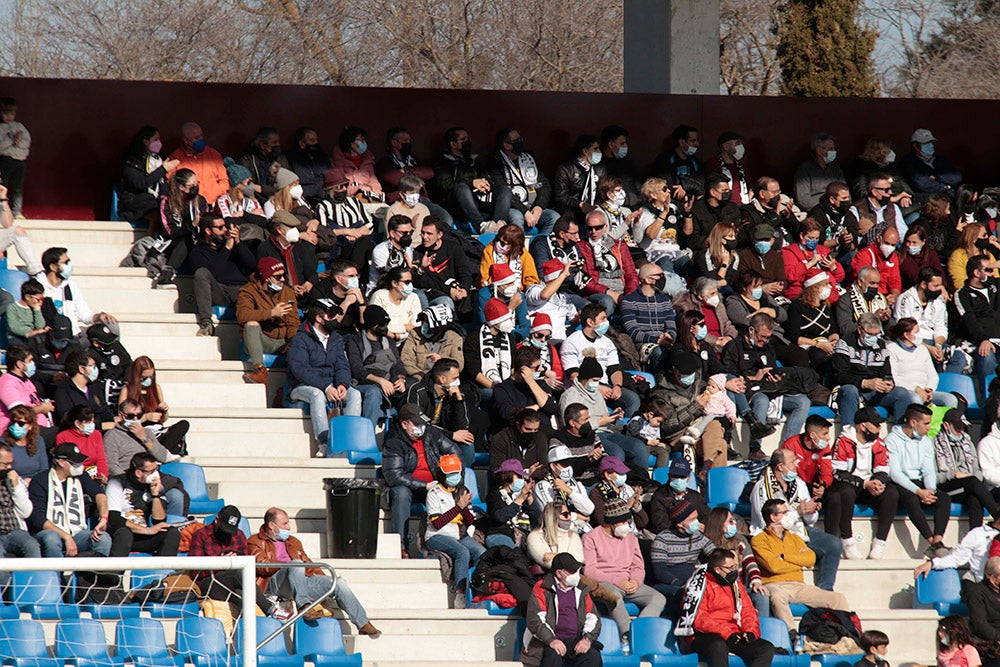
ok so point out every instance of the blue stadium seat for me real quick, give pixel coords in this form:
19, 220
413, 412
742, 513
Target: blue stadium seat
141, 640
224, 313
355, 437
270, 360
82, 640
193, 478
823, 411
142, 578
273, 653
41, 595
321, 642
11, 281
831, 660
8, 611
775, 631
612, 654
662, 476
941, 589
473, 485
481, 459
114, 216
962, 385
798, 609
652, 640
487, 239
22, 644
725, 486
203, 642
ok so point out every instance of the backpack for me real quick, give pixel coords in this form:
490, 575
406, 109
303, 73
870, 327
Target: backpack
829, 626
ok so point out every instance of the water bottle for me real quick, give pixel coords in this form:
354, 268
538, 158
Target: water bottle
800, 644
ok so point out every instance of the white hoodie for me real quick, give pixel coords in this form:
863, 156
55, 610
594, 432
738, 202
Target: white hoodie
989, 456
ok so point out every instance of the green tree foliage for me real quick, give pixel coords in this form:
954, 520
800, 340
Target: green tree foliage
823, 51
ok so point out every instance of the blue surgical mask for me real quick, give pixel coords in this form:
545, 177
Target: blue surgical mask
406, 289
283, 534
944, 639
789, 476
620, 480
762, 247
540, 344
811, 244
353, 282
30, 369
870, 340
693, 528
129, 423
18, 431
92, 373
602, 328
88, 428
678, 484
927, 149
756, 293
66, 271
517, 485
729, 532
146, 382
593, 386
537, 375
688, 380
198, 146
621, 152
362, 146
595, 157
454, 479
914, 249
702, 332
275, 287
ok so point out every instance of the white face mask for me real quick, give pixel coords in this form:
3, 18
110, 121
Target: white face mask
292, 235
295, 192
789, 520
890, 156
411, 199
573, 580
76, 470
622, 529
566, 474
824, 293
153, 477
887, 249
506, 326
713, 301
618, 199
831, 156
739, 152
509, 290
690, 150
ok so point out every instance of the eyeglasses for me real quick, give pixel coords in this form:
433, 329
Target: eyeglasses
131, 415
883, 189
406, 282
565, 515
593, 227
223, 226
542, 337
666, 188
21, 423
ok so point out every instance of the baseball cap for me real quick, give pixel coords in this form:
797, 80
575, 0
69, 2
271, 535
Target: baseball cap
565, 561
868, 414
612, 463
560, 453
68, 451
228, 519
922, 136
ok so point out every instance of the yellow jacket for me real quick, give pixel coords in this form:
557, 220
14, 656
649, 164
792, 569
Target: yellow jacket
781, 559
529, 272
956, 266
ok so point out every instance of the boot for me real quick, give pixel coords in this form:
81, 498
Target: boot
369, 630
758, 431
257, 376
315, 612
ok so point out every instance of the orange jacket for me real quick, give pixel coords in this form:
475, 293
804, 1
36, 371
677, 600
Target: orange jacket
213, 181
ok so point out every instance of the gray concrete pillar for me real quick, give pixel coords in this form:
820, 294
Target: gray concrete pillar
672, 46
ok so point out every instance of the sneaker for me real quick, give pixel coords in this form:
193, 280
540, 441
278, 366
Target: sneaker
733, 455
851, 549
165, 277
280, 613
257, 376
758, 430
490, 226
369, 630
878, 549
206, 329
321, 451
758, 455
937, 550
459, 600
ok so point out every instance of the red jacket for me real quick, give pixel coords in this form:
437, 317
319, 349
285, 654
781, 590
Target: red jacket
629, 275
845, 461
717, 611
888, 269
795, 257
815, 465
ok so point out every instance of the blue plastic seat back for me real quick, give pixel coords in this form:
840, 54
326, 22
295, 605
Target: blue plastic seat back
193, 477
199, 636
22, 639
609, 638
960, 384
472, 484
487, 239
41, 594
652, 636
81, 638
141, 638
265, 626
939, 586
349, 433
11, 281
725, 486
322, 637
775, 631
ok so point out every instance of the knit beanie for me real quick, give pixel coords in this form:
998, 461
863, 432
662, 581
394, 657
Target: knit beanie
268, 266
285, 178
236, 172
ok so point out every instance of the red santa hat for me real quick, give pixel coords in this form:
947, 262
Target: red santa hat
501, 274
496, 311
551, 269
541, 322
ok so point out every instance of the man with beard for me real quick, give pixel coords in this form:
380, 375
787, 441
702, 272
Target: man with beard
831, 214
221, 265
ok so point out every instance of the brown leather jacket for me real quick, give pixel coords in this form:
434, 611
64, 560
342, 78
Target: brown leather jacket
254, 303
262, 548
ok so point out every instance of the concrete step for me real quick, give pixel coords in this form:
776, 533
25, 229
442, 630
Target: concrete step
200, 394
904, 541
188, 348
872, 586
272, 420
246, 445
109, 298
82, 250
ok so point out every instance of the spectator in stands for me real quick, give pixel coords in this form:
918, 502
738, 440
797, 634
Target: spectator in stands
531, 192
617, 163
983, 600
128, 438
769, 207
927, 172
810, 323
814, 456
675, 491
274, 543
49, 353
943, 233
548, 306
296, 256
442, 270
814, 175
77, 388
703, 296
308, 160
442, 401
648, 316
239, 206
66, 293
320, 374
376, 369
288, 197
831, 213
354, 164
882, 255
465, 186
410, 455
861, 474
720, 618
989, 457
398, 162
395, 252
868, 218
719, 260
612, 489
263, 158
22, 436
206, 162
15, 509
878, 157
912, 366
78, 428
16, 388
723, 530
510, 505
729, 163
924, 303
526, 386
559, 596
593, 331
450, 523
433, 339
504, 287
575, 182
959, 477
749, 299
343, 290
974, 241
912, 469
863, 369
972, 551
24, 316
223, 537
782, 554
613, 558
646, 426
396, 296
61, 501
679, 166
606, 261
562, 244
139, 501
144, 176
660, 225
611, 197
411, 205
917, 256
508, 247
560, 484
265, 309
554, 536
525, 440
176, 230
677, 550
221, 265
753, 357
780, 482
864, 296
808, 257
979, 310
764, 256
489, 350
716, 206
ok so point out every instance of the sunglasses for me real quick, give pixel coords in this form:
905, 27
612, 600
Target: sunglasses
541, 337
592, 227
21, 423
133, 415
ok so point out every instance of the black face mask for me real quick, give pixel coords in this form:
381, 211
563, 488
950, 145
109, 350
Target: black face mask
866, 435
871, 293
843, 207
770, 203
730, 244
192, 193
586, 431
381, 331
406, 150
4, 473
340, 196
525, 438
517, 147
326, 326
660, 283
467, 149
969, 207
727, 579
932, 294
314, 149
983, 244
406, 240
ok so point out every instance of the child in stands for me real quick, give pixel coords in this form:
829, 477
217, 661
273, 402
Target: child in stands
955, 646
875, 644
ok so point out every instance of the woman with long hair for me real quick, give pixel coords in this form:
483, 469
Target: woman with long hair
941, 230
722, 528
811, 324
395, 294
916, 254
555, 535
22, 436
180, 210
78, 428
144, 175
509, 248
974, 241
142, 387
955, 644
719, 259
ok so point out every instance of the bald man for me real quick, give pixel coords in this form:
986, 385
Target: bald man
648, 314
204, 161
882, 255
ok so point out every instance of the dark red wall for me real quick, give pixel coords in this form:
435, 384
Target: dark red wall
80, 128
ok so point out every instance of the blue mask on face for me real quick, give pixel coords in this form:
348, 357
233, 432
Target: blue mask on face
593, 386
756, 293
622, 152
870, 340
729, 532
927, 149
362, 146
602, 328
688, 380
702, 332
283, 534
678, 484
454, 479
762, 247
693, 528
517, 485
198, 146
30, 369
789, 476
18, 431
595, 157
811, 244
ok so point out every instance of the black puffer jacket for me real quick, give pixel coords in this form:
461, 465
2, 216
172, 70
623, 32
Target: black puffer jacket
568, 184
449, 170
399, 458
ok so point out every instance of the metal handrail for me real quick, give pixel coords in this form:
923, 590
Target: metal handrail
301, 612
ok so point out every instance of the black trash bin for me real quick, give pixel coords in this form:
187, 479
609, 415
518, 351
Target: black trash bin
352, 507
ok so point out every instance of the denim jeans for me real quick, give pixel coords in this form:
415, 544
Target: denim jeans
175, 502
629, 401
498, 539
983, 367
897, 400
762, 603
546, 220
400, 500
795, 407
371, 402
464, 554
52, 544
305, 589
19, 544
316, 398
828, 549
466, 204
438, 211
630, 450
